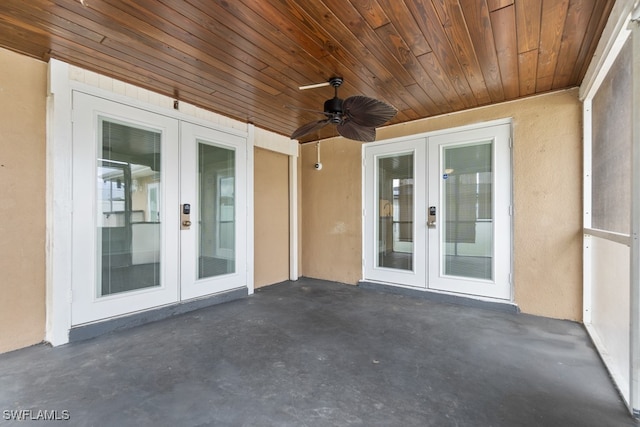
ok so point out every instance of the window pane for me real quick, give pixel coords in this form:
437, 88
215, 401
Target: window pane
128, 195
395, 216
217, 236
468, 211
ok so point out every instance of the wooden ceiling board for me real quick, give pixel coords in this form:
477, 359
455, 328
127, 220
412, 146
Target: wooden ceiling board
246, 58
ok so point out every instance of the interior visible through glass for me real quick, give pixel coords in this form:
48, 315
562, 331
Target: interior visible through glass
128, 196
217, 223
468, 211
395, 213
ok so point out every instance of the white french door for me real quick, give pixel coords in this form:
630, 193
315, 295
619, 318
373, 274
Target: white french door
134, 171
470, 189
213, 175
437, 212
395, 220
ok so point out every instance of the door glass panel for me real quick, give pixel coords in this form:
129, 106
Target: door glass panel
217, 223
468, 211
396, 213
128, 196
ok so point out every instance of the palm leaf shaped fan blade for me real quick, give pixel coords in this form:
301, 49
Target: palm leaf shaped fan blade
355, 117
350, 129
367, 111
309, 128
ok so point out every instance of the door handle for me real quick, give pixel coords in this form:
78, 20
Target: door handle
185, 216
431, 221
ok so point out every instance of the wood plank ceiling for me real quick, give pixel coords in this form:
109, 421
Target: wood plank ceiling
246, 58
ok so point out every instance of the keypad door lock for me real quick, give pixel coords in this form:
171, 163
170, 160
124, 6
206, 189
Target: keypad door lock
431, 221
185, 216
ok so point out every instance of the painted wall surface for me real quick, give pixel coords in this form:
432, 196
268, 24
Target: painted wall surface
23, 88
271, 218
547, 185
332, 211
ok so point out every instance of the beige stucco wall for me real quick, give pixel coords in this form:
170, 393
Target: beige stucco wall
23, 85
547, 179
271, 219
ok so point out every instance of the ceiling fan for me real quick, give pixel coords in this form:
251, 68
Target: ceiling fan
355, 117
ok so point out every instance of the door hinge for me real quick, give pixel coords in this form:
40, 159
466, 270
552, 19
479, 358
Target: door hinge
510, 142
510, 210
364, 212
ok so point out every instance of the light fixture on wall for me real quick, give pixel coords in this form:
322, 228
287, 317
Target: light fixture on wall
318, 165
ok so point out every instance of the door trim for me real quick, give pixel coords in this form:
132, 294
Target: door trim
426, 136
63, 80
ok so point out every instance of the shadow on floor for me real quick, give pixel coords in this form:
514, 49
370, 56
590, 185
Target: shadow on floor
315, 353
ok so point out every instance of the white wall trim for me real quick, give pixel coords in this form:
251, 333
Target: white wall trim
59, 203
274, 142
293, 216
251, 139
634, 344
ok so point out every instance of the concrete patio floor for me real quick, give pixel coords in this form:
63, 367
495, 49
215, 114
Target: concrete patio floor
316, 353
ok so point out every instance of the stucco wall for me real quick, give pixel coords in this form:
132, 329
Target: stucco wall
271, 223
23, 85
547, 179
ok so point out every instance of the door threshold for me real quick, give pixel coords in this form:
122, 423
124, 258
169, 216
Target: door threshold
447, 298
92, 330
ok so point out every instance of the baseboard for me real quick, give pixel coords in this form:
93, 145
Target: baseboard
507, 307
92, 330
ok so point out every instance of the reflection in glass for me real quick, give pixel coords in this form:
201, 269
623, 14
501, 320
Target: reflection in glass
468, 211
128, 195
217, 231
395, 213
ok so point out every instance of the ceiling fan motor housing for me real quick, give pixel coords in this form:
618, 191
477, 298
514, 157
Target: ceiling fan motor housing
333, 109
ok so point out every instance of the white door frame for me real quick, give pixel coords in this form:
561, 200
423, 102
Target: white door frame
367, 224
63, 79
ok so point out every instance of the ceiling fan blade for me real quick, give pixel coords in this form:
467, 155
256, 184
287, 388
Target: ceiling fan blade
352, 130
308, 128
313, 86
367, 111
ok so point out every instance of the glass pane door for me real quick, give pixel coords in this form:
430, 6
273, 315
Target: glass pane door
128, 223
467, 237
217, 224
125, 241
213, 184
395, 216
470, 190
394, 244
